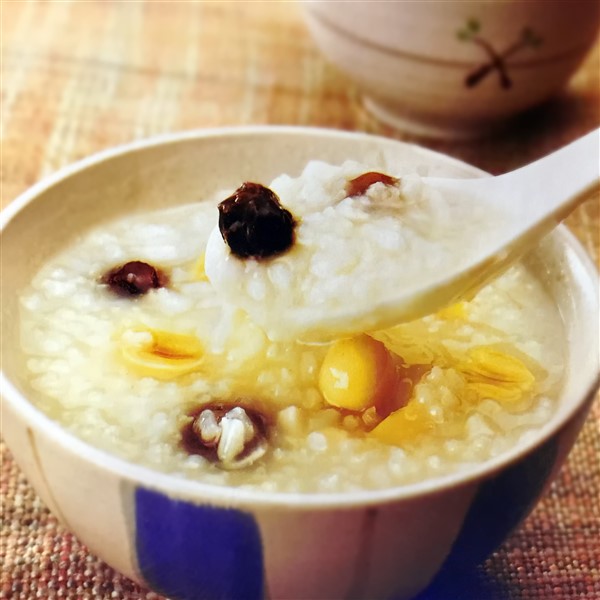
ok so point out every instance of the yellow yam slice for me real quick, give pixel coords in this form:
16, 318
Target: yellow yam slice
404, 425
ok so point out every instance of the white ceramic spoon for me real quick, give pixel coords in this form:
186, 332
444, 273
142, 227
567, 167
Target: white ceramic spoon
535, 197
519, 208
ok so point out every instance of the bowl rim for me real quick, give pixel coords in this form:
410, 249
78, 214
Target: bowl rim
181, 488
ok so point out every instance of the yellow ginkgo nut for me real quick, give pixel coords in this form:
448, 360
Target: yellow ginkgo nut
354, 371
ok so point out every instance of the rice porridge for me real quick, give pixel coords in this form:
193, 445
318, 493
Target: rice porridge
133, 348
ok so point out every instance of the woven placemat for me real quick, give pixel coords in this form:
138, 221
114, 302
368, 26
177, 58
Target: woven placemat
78, 77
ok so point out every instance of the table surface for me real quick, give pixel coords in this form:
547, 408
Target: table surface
81, 76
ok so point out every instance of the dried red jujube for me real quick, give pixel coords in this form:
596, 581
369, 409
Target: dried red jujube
359, 185
134, 278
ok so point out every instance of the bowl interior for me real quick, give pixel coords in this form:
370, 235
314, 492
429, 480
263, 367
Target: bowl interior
184, 168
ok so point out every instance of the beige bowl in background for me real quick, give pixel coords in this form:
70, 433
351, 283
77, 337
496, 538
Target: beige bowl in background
454, 69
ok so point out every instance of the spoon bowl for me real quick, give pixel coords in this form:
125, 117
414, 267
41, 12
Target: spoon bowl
535, 198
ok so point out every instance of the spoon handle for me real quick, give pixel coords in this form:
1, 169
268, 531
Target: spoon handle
543, 192
534, 198
551, 187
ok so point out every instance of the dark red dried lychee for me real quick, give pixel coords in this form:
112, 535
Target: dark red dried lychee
254, 224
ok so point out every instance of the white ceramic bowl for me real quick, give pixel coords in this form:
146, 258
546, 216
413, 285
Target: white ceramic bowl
189, 540
454, 69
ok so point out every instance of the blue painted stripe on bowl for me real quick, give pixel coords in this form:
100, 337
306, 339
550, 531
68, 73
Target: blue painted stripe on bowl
191, 552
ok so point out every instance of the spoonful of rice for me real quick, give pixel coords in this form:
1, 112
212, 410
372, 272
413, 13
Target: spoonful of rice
346, 249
